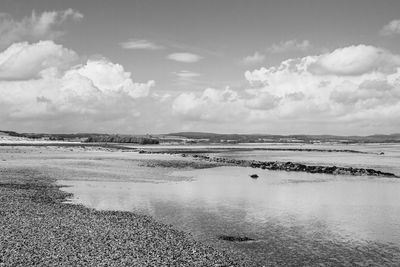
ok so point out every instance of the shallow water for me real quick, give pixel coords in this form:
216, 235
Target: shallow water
300, 215
354, 207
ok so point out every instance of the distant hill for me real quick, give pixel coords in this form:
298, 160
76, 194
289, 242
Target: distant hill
257, 138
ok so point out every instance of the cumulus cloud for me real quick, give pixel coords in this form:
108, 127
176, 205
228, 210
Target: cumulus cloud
93, 94
109, 77
290, 45
184, 57
262, 101
27, 61
352, 90
35, 27
369, 94
254, 59
392, 28
355, 60
140, 44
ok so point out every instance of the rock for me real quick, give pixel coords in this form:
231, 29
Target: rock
235, 238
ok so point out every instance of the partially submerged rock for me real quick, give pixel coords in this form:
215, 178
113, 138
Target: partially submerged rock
235, 238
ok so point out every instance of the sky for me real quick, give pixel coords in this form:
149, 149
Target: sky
226, 66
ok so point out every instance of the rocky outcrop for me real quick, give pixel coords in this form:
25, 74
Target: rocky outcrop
298, 167
285, 166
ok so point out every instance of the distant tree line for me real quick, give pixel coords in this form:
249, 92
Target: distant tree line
260, 138
89, 137
122, 139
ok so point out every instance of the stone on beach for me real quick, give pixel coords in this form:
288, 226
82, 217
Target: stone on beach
235, 238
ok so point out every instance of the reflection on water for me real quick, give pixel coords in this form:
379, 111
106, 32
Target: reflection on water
364, 208
297, 219
296, 212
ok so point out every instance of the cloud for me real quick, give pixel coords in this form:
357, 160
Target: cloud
36, 27
95, 95
70, 13
351, 90
185, 74
211, 105
184, 57
27, 61
355, 60
109, 77
45, 86
257, 58
369, 93
186, 77
289, 46
391, 28
140, 44
262, 101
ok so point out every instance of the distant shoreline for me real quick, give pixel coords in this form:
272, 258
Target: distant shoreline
180, 148
206, 138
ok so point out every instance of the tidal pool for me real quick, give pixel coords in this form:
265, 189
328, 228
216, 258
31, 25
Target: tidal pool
294, 218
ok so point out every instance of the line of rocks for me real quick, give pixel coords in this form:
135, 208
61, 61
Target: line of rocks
226, 149
297, 167
285, 166
313, 150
